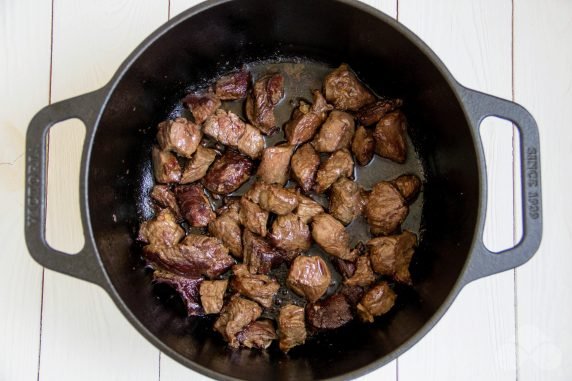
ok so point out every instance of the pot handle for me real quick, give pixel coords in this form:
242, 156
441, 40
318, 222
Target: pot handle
483, 261
83, 265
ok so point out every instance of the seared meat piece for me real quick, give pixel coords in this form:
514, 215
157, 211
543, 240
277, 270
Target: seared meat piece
251, 143
212, 295
353, 294
389, 136
165, 198
339, 164
363, 276
345, 91
226, 227
253, 217
331, 236
180, 136
408, 186
363, 145
260, 103
259, 255
258, 334
309, 277
377, 301
289, 233
306, 119
188, 289
372, 113
330, 313
197, 167
195, 205
232, 86
228, 173
346, 202
277, 200
291, 327
336, 132
392, 255
201, 105
166, 168
235, 316
345, 268
305, 163
307, 209
162, 230
385, 209
258, 287
275, 163
225, 127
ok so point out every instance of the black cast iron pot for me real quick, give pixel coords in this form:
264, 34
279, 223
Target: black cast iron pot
214, 36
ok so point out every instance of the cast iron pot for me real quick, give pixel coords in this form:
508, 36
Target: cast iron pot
444, 120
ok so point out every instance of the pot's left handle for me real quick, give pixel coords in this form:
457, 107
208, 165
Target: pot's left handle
83, 265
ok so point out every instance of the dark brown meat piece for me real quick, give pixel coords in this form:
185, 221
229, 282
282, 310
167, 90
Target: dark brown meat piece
225, 127
339, 164
232, 86
309, 277
330, 313
331, 236
253, 217
227, 228
275, 164
188, 289
389, 136
306, 119
291, 327
212, 295
235, 316
258, 334
258, 287
305, 163
228, 173
289, 233
201, 105
197, 167
277, 200
180, 136
166, 168
162, 230
372, 113
392, 255
165, 198
194, 204
363, 145
259, 255
345, 268
346, 202
336, 132
345, 91
307, 209
353, 294
364, 275
377, 301
251, 143
385, 209
408, 186
260, 103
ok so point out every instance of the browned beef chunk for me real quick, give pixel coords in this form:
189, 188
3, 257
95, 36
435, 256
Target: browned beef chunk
258, 287
166, 168
232, 86
253, 217
227, 228
289, 233
306, 119
363, 145
392, 255
188, 289
259, 255
344, 90
408, 186
305, 163
385, 209
165, 198
201, 105
336, 132
251, 143
346, 202
197, 167
277, 200
195, 205
353, 294
258, 334
180, 136
260, 103
377, 301
228, 173
309, 277
345, 268
372, 113
331, 236
364, 275
307, 209
339, 164
330, 313
162, 230
291, 326
275, 164
225, 127
212, 295
234, 317
389, 136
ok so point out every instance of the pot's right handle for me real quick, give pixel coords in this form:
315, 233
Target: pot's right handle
483, 261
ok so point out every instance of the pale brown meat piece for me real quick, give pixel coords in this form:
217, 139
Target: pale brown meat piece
372, 113
212, 295
180, 136
226, 227
253, 193
291, 327
165, 198
408, 186
235, 316
305, 163
253, 217
278, 200
289, 233
259, 255
258, 334
232, 86
389, 135
331, 236
228, 173
309, 277
336, 132
385, 209
306, 119
363, 275
194, 204
225, 127
377, 301
331, 313
162, 230
258, 287
275, 164
345, 91
197, 167
392, 255
201, 105
363, 145
307, 209
339, 164
346, 202
260, 103
251, 143
186, 287
166, 167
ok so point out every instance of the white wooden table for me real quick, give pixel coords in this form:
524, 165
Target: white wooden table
516, 325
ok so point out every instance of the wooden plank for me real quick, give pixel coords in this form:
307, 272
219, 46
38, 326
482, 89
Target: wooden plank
475, 339
543, 84
24, 80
